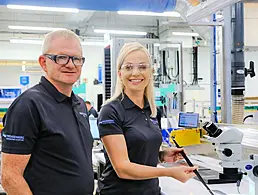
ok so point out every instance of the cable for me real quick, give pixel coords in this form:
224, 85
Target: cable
238, 185
191, 165
177, 63
248, 116
164, 65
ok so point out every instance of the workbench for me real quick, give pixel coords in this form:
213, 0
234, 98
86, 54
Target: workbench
170, 186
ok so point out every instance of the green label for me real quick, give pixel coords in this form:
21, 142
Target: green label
3, 109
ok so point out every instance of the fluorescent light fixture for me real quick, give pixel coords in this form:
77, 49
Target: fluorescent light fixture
138, 13
93, 43
39, 8
207, 8
34, 28
26, 41
121, 32
191, 34
40, 42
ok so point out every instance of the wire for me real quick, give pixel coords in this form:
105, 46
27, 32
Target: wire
238, 185
177, 66
165, 66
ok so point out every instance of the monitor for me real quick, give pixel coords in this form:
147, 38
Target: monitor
94, 128
188, 120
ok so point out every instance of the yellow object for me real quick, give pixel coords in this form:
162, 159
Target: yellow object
1, 126
194, 2
186, 137
2, 114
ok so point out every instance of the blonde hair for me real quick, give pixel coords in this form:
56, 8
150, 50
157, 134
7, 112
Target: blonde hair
67, 34
149, 90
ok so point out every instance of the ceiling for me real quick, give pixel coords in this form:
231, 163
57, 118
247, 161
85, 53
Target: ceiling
85, 21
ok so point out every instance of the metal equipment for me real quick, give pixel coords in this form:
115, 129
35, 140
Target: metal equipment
228, 146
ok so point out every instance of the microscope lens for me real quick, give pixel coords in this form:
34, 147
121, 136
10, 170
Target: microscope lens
212, 129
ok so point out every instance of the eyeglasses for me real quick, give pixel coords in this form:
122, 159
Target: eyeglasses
64, 59
130, 67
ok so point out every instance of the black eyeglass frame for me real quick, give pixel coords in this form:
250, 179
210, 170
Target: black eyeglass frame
54, 57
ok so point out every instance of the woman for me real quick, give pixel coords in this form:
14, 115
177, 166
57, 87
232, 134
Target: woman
130, 133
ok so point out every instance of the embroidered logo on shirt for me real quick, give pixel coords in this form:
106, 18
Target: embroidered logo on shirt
107, 122
13, 137
83, 114
155, 122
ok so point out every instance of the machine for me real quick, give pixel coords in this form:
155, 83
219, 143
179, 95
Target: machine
227, 143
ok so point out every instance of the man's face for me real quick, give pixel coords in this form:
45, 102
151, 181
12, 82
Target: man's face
88, 106
64, 74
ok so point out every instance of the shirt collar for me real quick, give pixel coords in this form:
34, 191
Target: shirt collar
128, 103
55, 93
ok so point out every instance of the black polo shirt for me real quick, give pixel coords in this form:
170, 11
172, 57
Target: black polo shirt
143, 140
54, 129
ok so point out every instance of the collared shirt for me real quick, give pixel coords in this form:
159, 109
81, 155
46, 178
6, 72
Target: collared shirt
143, 139
93, 112
54, 129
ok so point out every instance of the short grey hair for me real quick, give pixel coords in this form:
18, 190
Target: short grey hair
58, 33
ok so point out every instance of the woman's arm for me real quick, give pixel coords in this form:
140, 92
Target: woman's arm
117, 151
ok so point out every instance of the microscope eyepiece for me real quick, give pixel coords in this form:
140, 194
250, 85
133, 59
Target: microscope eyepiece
212, 129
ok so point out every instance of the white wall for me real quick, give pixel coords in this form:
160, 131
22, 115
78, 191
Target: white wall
9, 76
251, 83
94, 56
204, 72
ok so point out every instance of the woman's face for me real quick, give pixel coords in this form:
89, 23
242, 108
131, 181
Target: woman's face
135, 72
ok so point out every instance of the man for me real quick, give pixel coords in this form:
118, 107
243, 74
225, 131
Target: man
91, 110
47, 144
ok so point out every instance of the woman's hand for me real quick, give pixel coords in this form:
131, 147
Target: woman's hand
182, 173
171, 155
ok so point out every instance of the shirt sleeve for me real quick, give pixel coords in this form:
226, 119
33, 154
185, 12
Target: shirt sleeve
94, 113
109, 122
21, 127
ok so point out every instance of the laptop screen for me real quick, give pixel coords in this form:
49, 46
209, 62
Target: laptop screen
188, 120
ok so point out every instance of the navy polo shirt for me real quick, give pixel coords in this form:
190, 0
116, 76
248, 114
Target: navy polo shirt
143, 139
55, 130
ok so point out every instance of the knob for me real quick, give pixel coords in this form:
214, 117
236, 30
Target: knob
227, 152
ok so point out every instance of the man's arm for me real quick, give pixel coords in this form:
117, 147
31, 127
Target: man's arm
94, 112
13, 166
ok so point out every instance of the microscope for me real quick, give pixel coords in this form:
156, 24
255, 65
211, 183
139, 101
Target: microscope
227, 142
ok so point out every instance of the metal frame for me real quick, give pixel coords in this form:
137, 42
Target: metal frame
226, 113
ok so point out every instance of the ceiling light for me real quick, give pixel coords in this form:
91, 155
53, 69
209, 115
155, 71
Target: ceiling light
122, 32
93, 43
35, 28
207, 8
39, 8
40, 42
26, 41
138, 13
192, 34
